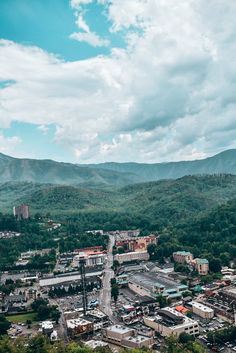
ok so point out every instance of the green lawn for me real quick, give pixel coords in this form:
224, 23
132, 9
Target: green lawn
22, 317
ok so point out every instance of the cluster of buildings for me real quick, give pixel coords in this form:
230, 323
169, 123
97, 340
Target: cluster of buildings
26, 256
185, 257
9, 235
134, 247
18, 301
93, 256
78, 325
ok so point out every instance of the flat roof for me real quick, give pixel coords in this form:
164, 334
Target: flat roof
201, 307
183, 253
63, 279
72, 323
202, 261
138, 338
150, 280
119, 329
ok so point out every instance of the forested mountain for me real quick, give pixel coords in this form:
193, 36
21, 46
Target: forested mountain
109, 175
48, 171
161, 203
224, 162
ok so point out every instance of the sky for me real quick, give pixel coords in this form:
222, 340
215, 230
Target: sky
90, 81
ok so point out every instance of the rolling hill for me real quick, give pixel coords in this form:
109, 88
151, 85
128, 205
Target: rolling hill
110, 175
224, 162
163, 202
48, 171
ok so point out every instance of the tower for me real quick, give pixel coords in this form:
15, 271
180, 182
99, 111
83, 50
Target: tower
83, 282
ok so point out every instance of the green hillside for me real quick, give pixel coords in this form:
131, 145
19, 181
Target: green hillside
158, 203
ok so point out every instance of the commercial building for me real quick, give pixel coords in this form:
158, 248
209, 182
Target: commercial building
94, 256
77, 327
70, 278
170, 322
21, 212
126, 337
132, 256
135, 243
202, 310
183, 257
154, 284
202, 266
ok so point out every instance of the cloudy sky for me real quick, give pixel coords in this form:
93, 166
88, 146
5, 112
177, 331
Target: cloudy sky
117, 80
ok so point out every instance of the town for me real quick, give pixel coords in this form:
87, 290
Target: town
116, 296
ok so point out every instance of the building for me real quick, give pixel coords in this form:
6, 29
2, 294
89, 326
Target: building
47, 328
132, 256
21, 212
126, 337
93, 256
202, 266
202, 310
31, 294
80, 326
98, 317
125, 233
183, 257
71, 278
170, 322
95, 231
154, 284
130, 314
135, 243
93, 344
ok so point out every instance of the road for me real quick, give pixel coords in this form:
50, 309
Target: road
108, 274
62, 329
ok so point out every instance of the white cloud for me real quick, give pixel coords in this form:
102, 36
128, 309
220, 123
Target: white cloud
8, 144
90, 38
87, 35
43, 128
82, 24
75, 4
169, 95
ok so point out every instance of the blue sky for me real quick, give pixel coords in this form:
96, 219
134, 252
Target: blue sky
116, 80
48, 24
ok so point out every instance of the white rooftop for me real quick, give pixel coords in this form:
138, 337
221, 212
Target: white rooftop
119, 329
202, 307
47, 325
77, 322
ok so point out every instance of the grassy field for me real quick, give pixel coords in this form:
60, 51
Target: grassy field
22, 318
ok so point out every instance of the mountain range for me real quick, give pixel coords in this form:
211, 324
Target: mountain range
110, 175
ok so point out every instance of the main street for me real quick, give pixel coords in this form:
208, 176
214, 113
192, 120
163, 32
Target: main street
108, 274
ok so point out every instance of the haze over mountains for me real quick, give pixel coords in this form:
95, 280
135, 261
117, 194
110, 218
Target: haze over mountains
224, 162
108, 175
